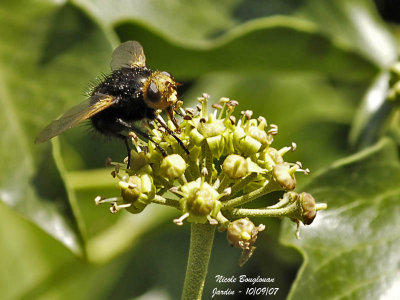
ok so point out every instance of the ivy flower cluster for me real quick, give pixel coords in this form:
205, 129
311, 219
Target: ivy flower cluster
230, 163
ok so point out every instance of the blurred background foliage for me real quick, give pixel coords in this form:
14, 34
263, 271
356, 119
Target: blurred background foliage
304, 65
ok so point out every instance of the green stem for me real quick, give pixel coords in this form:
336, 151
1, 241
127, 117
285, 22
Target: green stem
166, 201
217, 182
225, 182
194, 168
224, 222
291, 211
270, 187
188, 174
240, 185
201, 240
164, 182
286, 200
208, 160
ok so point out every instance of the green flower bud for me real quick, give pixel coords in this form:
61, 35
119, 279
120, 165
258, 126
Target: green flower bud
245, 144
196, 136
138, 161
195, 153
216, 144
174, 145
254, 167
264, 160
212, 127
235, 166
228, 145
258, 134
275, 155
172, 166
308, 206
130, 191
242, 233
154, 157
268, 158
138, 191
200, 200
200, 203
284, 176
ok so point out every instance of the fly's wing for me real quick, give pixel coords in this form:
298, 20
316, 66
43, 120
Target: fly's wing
75, 115
129, 54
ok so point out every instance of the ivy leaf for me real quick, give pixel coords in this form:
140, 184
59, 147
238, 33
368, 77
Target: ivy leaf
257, 47
355, 23
351, 249
181, 20
45, 61
51, 50
373, 114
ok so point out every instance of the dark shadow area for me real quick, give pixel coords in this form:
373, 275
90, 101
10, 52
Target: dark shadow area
389, 10
48, 183
51, 190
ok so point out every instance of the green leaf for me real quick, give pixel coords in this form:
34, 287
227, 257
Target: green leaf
271, 45
373, 115
354, 23
180, 20
35, 266
45, 61
351, 249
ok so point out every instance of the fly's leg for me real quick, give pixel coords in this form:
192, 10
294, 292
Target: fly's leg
165, 126
139, 132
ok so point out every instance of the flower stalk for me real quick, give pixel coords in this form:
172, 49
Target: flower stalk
238, 201
201, 241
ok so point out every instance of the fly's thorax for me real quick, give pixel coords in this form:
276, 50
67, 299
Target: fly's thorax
159, 90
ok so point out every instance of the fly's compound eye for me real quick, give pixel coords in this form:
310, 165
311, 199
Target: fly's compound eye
153, 94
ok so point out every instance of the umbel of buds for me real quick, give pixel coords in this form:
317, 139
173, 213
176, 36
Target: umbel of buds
231, 162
